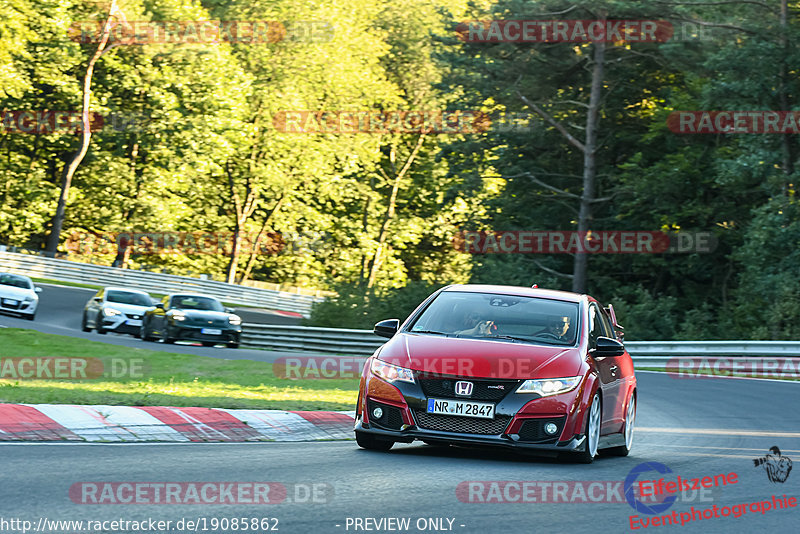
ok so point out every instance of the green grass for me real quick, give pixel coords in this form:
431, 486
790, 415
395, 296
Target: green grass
61, 283
162, 379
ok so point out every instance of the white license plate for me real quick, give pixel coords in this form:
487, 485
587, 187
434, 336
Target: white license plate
211, 331
134, 322
483, 410
10, 302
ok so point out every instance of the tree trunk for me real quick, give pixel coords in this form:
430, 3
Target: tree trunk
86, 135
377, 260
581, 263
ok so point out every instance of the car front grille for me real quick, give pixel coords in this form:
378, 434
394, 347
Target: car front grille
206, 323
482, 389
462, 425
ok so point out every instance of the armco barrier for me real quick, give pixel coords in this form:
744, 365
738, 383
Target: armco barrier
70, 271
653, 354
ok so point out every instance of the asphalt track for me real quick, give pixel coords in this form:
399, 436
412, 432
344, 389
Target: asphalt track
60, 310
695, 427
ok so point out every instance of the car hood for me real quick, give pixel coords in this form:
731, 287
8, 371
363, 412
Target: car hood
480, 358
18, 293
127, 308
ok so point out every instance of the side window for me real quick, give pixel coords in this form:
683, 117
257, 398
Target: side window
607, 326
595, 325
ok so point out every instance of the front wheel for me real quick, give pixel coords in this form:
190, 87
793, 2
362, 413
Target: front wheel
98, 324
586, 456
143, 335
370, 442
165, 337
630, 418
233, 345
84, 327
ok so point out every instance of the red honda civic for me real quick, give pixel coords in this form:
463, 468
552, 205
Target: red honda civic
525, 368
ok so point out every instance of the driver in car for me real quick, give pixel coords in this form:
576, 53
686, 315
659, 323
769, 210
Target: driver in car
477, 326
557, 327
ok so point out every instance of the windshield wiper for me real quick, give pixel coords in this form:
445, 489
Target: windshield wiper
513, 338
429, 332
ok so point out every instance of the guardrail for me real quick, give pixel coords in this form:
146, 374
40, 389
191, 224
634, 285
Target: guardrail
100, 275
364, 342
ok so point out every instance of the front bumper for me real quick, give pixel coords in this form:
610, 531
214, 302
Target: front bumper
25, 307
519, 423
230, 334
123, 323
503, 440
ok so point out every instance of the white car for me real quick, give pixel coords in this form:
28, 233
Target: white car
116, 309
19, 295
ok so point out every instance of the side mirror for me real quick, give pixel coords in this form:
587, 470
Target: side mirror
606, 346
230, 310
387, 328
37, 289
160, 305
98, 299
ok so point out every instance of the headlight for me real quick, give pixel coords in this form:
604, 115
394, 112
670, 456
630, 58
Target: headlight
235, 320
550, 386
390, 372
178, 316
30, 299
110, 312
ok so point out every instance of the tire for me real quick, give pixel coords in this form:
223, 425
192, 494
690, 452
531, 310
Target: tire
143, 335
83, 323
630, 419
233, 345
98, 324
208, 343
592, 431
31, 316
165, 337
369, 442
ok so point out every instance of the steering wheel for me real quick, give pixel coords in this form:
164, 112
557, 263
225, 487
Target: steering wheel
549, 335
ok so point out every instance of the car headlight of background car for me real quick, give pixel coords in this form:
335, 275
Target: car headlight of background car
549, 386
235, 320
390, 372
111, 312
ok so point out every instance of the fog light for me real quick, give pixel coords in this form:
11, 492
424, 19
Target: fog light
377, 412
551, 428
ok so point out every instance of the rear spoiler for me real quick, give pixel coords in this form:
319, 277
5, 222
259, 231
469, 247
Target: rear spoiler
617, 327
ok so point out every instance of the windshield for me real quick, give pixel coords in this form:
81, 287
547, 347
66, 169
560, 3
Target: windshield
197, 303
128, 297
488, 315
14, 281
